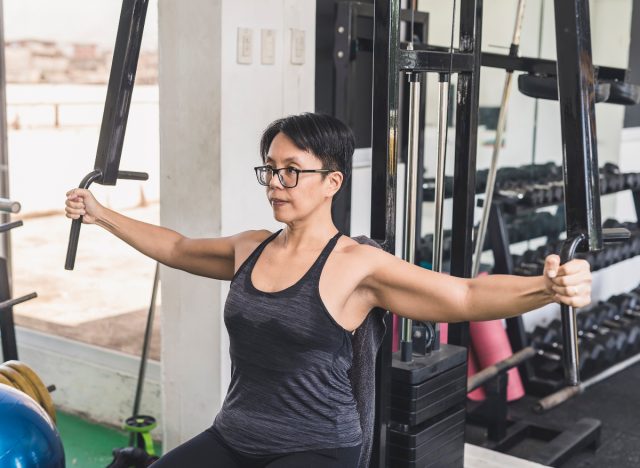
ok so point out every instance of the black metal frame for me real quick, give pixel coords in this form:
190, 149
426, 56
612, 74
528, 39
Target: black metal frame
388, 60
349, 41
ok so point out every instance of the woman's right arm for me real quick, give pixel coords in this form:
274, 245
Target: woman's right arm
213, 258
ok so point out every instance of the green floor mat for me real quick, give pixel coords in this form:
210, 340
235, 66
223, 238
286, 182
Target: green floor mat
89, 445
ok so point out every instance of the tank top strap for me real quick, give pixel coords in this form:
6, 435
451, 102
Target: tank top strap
317, 267
251, 259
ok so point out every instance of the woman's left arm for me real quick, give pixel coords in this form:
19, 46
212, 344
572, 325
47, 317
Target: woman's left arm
421, 294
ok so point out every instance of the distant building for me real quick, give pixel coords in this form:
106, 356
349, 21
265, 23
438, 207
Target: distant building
33, 60
39, 61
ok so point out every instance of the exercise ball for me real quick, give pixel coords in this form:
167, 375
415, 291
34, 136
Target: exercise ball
28, 437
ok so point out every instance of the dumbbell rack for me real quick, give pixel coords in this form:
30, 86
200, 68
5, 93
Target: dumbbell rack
7, 325
504, 261
611, 330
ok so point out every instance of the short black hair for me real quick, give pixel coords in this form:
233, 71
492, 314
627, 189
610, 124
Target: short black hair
326, 137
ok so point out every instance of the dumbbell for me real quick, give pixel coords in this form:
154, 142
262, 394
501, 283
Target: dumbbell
615, 180
613, 340
590, 358
592, 353
608, 314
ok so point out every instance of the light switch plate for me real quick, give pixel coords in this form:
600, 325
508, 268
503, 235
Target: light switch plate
297, 47
268, 47
245, 46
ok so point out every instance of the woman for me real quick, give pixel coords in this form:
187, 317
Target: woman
298, 295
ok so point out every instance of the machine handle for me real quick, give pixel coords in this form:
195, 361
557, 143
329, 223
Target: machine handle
76, 224
568, 315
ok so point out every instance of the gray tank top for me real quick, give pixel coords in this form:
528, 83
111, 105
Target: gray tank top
290, 388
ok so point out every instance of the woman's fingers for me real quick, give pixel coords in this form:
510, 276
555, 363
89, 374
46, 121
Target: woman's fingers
573, 280
580, 289
75, 204
575, 301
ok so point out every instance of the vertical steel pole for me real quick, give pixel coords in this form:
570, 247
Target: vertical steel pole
4, 150
412, 186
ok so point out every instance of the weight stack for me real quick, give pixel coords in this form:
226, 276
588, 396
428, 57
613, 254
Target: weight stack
427, 409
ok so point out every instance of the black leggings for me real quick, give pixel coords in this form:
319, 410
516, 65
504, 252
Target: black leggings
209, 450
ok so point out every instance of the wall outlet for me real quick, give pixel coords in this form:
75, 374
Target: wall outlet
297, 47
268, 47
245, 46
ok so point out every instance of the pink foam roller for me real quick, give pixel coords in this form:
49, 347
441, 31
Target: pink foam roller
491, 345
444, 333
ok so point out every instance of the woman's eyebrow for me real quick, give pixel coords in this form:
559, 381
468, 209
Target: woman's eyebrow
286, 160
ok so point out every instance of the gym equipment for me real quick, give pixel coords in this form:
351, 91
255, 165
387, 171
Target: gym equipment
140, 452
554, 444
116, 111
546, 87
559, 397
20, 376
7, 326
492, 344
502, 117
413, 445
411, 190
28, 436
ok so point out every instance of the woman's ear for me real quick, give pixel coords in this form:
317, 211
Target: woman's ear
335, 180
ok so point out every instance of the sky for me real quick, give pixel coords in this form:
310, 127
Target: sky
93, 21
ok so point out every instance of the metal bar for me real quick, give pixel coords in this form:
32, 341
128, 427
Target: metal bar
547, 67
120, 89
9, 206
490, 372
4, 152
411, 203
576, 85
499, 237
636, 205
570, 360
145, 348
440, 173
464, 178
553, 400
434, 61
497, 144
343, 66
9, 303
7, 326
8, 226
383, 188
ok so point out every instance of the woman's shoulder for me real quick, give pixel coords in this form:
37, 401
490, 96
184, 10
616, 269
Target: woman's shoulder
359, 248
251, 237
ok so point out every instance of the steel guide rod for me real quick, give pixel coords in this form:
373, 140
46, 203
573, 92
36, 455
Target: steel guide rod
411, 203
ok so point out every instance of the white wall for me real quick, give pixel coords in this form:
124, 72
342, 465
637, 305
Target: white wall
189, 80
212, 113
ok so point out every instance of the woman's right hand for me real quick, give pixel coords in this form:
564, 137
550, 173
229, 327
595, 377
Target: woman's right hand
81, 202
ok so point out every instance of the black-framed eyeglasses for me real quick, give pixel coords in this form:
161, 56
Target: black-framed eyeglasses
288, 176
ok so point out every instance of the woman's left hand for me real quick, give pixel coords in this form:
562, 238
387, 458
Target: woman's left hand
570, 283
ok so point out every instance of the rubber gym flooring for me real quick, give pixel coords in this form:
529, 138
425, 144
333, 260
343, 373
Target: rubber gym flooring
88, 445
616, 403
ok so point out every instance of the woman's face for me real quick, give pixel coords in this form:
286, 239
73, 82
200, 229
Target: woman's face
313, 189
